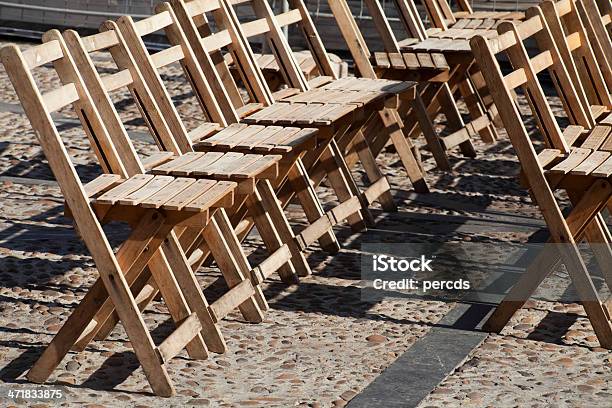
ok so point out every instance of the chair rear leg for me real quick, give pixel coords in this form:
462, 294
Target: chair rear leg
232, 262
302, 186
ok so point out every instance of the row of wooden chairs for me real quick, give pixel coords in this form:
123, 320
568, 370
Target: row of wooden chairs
576, 159
239, 162
208, 186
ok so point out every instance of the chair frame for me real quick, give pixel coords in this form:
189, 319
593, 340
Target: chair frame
151, 228
589, 195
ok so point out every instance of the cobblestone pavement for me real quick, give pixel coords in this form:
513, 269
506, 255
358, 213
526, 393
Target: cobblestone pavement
320, 344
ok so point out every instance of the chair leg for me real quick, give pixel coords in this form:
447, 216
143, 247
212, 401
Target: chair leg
116, 287
455, 120
433, 141
402, 147
376, 177
582, 218
274, 210
306, 194
232, 262
487, 133
337, 177
268, 225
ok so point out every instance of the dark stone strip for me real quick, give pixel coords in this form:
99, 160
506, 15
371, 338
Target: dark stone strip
428, 362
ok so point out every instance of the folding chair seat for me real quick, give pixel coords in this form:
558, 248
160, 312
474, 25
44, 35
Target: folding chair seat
157, 208
583, 171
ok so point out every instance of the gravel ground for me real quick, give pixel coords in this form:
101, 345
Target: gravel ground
320, 344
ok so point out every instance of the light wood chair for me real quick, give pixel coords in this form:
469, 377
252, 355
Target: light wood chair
332, 113
156, 208
583, 171
431, 69
290, 143
374, 98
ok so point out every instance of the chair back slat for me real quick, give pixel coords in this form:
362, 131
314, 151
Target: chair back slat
214, 65
39, 55
58, 98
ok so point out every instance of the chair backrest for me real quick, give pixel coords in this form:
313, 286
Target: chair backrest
568, 31
39, 106
138, 70
509, 44
597, 20
269, 25
568, 89
208, 47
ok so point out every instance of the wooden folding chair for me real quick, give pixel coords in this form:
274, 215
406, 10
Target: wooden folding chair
597, 19
432, 70
337, 120
567, 25
154, 206
252, 172
370, 96
290, 143
584, 172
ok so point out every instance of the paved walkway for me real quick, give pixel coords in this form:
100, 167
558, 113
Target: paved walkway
321, 344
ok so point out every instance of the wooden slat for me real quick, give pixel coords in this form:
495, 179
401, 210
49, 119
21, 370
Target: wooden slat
168, 167
152, 187
164, 195
220, 191
576, 157
100, 184
604, 170
167, 56
216, 41
607, 145
193, 166
231, 299
99, 41
289, 17
42, 54
268, 162
154, 23
591, 163
542, 61
60, 97
572, 133
547, 156
156, 159
515, 78
255, 27
189, 194
117, 80
203, 131
178, 339
596, 137
125, 188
